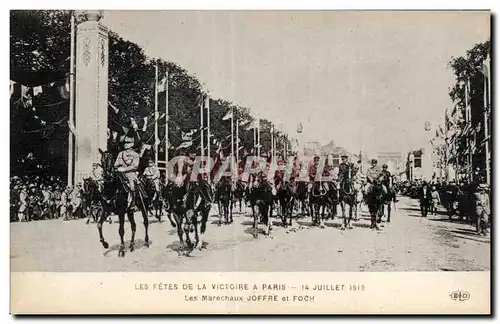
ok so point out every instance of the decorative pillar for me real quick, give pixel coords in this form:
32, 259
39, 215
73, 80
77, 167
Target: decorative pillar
91, 112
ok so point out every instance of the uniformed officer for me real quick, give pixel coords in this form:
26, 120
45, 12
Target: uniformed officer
343, 169
386, 176
483, 208
98, 175
313, 169
151, 172
372, 174
127, 163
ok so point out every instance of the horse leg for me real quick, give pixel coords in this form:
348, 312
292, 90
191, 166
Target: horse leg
180, 233
389, 213
121, 231
321, 216
344, 221
349, 226
145, 221
103, 217
133, 227
231, 212
256, 216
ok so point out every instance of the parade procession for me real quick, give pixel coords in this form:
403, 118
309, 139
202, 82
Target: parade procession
127, 160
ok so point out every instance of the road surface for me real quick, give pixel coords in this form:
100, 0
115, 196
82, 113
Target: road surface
408, 243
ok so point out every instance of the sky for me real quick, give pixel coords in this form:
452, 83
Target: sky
366, 80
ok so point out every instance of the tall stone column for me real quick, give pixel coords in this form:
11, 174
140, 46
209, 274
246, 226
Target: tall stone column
91, 111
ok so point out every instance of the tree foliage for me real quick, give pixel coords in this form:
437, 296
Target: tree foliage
40, 42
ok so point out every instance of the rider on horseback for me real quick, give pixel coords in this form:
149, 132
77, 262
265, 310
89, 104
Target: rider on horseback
386, 177
313, 169
152, 173
343, 169
127, 163
372, 174
98, 175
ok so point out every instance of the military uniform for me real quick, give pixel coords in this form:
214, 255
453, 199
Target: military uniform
98, 176
127, 162
152, 173
373, 173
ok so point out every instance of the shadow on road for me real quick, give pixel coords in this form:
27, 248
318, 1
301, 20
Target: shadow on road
139, 244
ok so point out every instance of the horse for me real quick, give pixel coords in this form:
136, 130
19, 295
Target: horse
260, 197
189, 200
389, 199
318, 201
375, 200
114, 200
91, 199
286, 198
301, 197
153, 199
347, 196
224, 197
359, 199
239, 193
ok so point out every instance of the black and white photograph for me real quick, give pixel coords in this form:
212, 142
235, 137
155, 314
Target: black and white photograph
250, 141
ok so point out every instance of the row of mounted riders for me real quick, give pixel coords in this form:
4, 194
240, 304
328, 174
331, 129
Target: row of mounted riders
188, 203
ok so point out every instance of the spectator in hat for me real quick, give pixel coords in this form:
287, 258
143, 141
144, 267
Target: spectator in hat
483, 208
436, 200
425, 199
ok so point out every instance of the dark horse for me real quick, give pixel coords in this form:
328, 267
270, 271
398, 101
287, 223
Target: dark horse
375, 200
153, 200
114, 200
389, 199
239, 193
91, 200
224, 197
318, 202
190, 202
261, 200
301, 197
286, 198
347, 195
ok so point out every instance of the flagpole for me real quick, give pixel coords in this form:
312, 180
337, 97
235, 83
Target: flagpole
272, 141
237, 142
254, 139
258, 137
486, 144
156, 114
71, 100
232, 139
202, 103
166, 121
208, 125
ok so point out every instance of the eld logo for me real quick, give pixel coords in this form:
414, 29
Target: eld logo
460, 295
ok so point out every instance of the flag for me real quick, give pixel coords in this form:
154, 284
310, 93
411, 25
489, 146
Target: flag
186, 136
24, 91
37, 90
162, 85
299, 128
207, 102
229, 115
12, 83
63, 91
71, 127
185, 144
133, 123
145, 124
253, 124
116, 110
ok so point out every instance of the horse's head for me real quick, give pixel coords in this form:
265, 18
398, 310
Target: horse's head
107, 163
